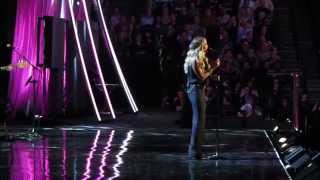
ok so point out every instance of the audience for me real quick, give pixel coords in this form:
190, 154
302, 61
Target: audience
159, 38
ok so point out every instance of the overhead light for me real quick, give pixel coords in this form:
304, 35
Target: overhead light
284, 145
282, 140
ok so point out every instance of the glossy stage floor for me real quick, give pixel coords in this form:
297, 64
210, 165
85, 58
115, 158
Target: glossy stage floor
111, 152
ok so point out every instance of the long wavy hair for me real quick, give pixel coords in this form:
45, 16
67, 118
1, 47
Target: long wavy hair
194, 48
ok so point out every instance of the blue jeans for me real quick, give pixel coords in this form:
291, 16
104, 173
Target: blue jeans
196, 97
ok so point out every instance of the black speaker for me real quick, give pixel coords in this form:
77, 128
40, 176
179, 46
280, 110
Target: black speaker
54, 51
54, 32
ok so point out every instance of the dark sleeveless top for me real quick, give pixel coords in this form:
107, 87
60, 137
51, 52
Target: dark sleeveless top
192, 78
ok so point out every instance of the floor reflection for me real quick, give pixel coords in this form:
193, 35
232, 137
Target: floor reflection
105, 153
195, 170
93, 150
123, 149
29, 160
64, 152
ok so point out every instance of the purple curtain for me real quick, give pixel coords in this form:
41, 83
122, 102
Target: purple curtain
21, 91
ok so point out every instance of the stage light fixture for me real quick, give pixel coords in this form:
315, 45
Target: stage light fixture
83, 65
282, 140
115, 60
284, 145
96, 58
296, 158
291, 141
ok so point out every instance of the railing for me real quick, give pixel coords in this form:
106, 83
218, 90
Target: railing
295, 77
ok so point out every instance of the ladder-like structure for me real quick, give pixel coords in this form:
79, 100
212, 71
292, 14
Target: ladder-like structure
109, 46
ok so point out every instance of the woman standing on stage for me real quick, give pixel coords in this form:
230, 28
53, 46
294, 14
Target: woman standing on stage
197, 70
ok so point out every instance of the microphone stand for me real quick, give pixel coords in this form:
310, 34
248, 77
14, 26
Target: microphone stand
217, 155
23, 57
35, 118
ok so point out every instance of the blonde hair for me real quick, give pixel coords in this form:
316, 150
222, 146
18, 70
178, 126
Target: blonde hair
192, 56
193, 53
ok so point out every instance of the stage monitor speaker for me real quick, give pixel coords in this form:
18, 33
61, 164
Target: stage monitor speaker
293, 153
54, 51
297, 158
54, 32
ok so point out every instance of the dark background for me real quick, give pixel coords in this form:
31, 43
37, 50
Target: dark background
7, 21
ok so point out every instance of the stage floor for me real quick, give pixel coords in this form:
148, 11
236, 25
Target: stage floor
101, 152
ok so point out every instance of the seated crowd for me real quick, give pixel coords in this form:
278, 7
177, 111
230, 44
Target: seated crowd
155, 43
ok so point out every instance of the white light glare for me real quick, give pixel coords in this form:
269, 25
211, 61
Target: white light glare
284, 145
282, 140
